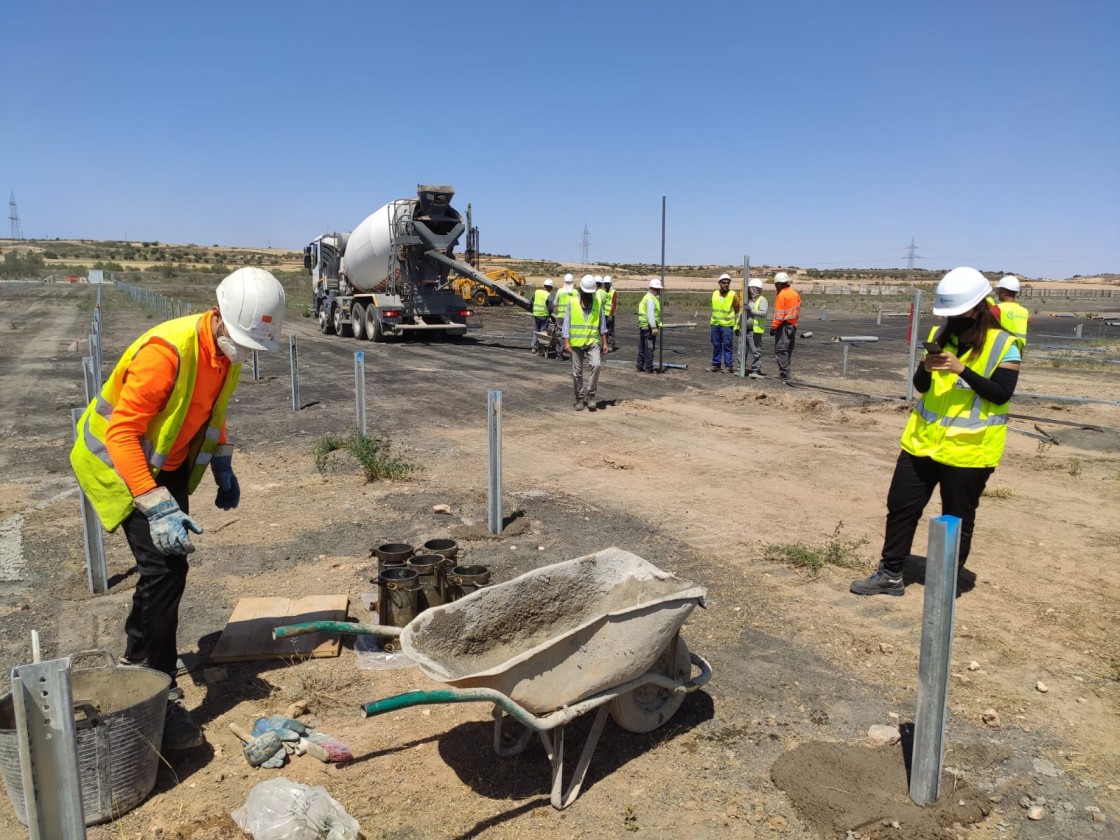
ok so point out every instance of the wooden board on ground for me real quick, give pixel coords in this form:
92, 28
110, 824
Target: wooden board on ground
247, 636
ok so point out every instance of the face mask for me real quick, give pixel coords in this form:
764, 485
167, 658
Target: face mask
960, 323
233, 351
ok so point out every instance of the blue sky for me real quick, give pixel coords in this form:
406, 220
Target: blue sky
806, 133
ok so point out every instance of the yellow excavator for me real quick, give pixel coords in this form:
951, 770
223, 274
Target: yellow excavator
479, 295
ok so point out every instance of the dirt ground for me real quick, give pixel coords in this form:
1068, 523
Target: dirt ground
698, 473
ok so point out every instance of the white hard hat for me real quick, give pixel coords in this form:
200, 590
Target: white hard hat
590, 277
726, 277
607, 280
781, 277
251, 302
1010, 282
569, 279
754, 283
598, 279
655, 283
548, 283
959, 291
587, 283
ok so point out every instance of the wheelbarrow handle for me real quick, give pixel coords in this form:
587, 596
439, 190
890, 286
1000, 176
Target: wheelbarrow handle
348, 628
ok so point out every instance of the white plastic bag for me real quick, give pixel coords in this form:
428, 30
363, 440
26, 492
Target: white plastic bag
280, 809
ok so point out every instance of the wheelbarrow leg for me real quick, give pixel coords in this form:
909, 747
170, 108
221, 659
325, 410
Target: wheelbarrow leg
561, 799
518, 746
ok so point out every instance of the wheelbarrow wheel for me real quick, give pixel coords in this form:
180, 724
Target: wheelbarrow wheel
649, 706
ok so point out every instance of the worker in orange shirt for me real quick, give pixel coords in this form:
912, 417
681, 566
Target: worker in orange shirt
787, 309
144, 443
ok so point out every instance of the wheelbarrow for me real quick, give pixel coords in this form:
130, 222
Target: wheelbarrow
601, 632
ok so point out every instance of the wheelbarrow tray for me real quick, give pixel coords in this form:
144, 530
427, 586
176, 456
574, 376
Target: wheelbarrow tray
556, 635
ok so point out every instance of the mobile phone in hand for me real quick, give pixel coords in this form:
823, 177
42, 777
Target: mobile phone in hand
932, 347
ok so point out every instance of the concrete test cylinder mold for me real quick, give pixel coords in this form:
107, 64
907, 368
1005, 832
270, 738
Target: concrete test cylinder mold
391, 554
463, 580
398, 595
428, 567
448, 550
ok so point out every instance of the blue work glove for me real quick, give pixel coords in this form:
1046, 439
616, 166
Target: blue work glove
168, 523
229, 491
286, 728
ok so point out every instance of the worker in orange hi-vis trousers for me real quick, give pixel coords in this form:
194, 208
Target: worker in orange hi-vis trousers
787, 309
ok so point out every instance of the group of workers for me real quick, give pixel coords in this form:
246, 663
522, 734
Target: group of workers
145, 441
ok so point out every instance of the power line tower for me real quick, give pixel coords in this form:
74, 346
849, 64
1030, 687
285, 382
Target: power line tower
585, 246
13, 217
911, 255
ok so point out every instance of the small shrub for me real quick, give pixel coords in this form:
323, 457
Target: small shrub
373, 455
999, 493
1073, 467
836, 552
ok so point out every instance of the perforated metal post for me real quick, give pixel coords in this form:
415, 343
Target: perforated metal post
256, 366
845, 373
915, 332
295, 372
360, 389
92, 537
494, 434
89, 378
48, 750
935, 658
745, 323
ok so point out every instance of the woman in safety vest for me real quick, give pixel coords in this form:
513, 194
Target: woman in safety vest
955, 434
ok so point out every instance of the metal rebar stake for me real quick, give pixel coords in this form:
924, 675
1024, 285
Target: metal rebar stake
48, 750
915, 326
360, 389
935, 659
295, 372
494, 434
256, 366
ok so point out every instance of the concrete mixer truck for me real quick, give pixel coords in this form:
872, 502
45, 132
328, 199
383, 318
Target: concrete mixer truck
389, 276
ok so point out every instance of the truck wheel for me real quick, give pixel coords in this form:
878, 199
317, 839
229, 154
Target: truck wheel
326, 324
358, 321
373, 325
341, 325
649, 706
480, 298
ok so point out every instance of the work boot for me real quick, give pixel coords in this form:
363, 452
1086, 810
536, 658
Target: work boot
591, 403
785, 377
879, 582
579, 405
714, 369
179, 731
756, 374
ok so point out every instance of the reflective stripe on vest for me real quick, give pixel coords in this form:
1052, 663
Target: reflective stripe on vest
540, 303
612, 302
760, 320
1014, 318
583, 330
723, 315
787, 308
950, 423
643, 319
560, 304
93, 467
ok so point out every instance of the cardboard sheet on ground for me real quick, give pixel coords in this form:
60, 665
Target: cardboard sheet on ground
247, 636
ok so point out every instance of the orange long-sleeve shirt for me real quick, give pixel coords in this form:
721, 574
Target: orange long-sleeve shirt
147, 386
787, 307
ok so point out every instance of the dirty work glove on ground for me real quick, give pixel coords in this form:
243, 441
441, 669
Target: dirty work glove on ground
168, 523
286, 728
229, 491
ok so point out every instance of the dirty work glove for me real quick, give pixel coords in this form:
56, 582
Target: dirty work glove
286, 728
229, 491
168, 523
278, 759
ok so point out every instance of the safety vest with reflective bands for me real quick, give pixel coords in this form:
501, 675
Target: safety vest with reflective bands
723, 314
759, 305
103, 485
1014, 317
583, 330
612, 302
540, 303
951, 423
643, 319
560, 304
787, 308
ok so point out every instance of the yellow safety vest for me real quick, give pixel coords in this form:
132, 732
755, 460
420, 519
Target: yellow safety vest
540, 303
583, 331
1014, 318
103, 485
643, 321
760, 321
723, 313
950, 423
560, 304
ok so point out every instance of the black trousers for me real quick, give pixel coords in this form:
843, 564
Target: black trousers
647, 343
911, 489
154, 620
